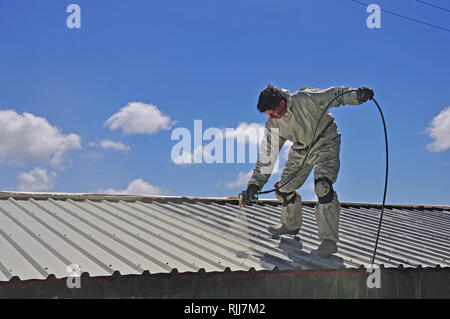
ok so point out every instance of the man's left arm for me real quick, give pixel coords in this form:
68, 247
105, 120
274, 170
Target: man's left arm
356, 97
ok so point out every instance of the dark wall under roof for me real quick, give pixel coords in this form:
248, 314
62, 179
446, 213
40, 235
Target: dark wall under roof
329, 284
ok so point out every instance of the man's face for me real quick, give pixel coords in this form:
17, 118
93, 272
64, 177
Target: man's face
278, 112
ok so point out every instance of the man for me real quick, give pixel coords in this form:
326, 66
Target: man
294, 117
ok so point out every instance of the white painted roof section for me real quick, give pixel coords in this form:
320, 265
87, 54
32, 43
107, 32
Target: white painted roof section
41, 234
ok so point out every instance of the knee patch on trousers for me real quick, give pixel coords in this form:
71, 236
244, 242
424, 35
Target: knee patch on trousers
324, 190
288, 198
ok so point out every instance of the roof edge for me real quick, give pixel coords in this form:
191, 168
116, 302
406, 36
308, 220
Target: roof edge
231, 200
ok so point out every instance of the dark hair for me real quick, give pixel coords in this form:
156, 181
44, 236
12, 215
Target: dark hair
269, 99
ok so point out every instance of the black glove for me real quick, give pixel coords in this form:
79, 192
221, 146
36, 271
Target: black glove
363, 94
249, 195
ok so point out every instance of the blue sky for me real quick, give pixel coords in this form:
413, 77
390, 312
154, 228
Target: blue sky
208, 60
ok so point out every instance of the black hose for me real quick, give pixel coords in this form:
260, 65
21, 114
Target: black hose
309, 149
385, 182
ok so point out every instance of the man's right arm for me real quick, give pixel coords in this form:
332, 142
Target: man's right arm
267, 157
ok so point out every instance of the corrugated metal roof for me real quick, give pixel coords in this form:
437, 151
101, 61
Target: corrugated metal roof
41, 234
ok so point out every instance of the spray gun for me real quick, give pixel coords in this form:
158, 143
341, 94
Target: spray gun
247, 197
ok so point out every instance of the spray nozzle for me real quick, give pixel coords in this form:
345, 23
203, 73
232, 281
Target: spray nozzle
246, 197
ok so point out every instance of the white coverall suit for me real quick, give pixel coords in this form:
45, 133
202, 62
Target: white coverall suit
297, 125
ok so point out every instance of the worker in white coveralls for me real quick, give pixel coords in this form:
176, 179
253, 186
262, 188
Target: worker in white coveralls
294, 117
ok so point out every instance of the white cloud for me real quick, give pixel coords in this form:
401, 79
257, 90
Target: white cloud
36, 180
244, 133
27, 138
254, 132
309, 186
249, 129
139, 118
310, 197
439, 130
118, 146
285, 150
307, 190
282, 158
136, 187
241, 180
186, 158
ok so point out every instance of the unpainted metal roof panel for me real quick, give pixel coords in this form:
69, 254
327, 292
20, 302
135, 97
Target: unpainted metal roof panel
41, 235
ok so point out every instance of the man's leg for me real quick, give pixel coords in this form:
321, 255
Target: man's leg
328, 207
291, 211
327, 215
